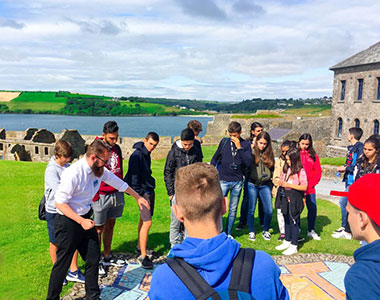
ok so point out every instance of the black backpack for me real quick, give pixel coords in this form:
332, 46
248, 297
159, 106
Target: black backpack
240, 283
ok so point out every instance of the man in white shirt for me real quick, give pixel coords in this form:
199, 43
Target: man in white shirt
73, 226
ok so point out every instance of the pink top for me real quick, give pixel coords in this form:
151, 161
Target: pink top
313, 170
297, 179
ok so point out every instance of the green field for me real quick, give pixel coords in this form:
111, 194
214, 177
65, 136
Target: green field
309, 111
83, 104
333, 161
24, 259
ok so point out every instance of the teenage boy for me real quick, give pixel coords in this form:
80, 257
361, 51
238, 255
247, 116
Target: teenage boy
234, 156
256, 129
181, 154
355, 150
139, 177
363, 207
108, 203
200, 205
196, 126
74, 228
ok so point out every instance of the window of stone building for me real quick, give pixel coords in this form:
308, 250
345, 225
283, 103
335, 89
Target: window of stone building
376, 127
1, 146
36, 149
378, 89
339, 128
357, 123
46, 151
360, 89
342, 90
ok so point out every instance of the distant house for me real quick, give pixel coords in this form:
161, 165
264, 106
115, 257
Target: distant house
356, 95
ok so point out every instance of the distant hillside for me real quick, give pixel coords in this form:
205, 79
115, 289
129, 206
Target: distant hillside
64, 102
82, 104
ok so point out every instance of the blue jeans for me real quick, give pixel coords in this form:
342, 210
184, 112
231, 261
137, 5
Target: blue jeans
343, 204
311, 204
235, 188
264, 192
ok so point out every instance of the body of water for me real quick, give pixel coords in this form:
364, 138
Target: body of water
128, 126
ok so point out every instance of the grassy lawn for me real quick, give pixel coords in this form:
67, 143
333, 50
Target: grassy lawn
333, 161
24, 259
259, 116
310, 111
35, 106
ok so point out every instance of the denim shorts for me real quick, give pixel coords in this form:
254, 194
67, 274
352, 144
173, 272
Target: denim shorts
50, 225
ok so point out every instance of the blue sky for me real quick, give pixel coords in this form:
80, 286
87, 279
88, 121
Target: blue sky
195, 49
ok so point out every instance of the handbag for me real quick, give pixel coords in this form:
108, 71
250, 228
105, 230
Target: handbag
41, 207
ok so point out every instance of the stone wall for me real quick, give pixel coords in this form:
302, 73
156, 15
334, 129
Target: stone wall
318, 127
367, 111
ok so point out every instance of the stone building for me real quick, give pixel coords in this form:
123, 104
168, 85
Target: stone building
356, 97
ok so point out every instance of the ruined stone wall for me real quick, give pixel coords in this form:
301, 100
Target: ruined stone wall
366, 111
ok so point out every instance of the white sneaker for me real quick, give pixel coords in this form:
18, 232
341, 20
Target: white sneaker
340, 229
231, 237
283, 246
342, 235
291, 250
102, 271
314, 235
252, 236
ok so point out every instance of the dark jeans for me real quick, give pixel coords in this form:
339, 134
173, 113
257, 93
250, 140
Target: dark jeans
264, 193
244, 207
311, 204
70, 236
292, 229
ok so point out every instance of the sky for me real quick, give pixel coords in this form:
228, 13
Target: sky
224, 50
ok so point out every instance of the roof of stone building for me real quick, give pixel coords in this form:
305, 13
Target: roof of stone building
278, 133
365, 57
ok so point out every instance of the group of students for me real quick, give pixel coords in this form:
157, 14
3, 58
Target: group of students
84, 200
250, 165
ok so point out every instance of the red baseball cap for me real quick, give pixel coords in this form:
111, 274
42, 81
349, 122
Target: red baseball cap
364, 194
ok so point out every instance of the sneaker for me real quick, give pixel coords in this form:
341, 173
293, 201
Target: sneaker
64, 282
149, 252
240, 226
281, 237
76, 276
266, 235
146, 263
113, 261
340, 229
252, 236
314, 235
231, 237
102, 270
342, 235
292, 249
283, 246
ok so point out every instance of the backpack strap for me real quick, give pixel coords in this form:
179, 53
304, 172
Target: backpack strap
242, 272
194, 282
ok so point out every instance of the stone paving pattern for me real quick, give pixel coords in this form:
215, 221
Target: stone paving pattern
306, 276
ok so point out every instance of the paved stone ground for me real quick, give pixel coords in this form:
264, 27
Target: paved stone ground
306, 276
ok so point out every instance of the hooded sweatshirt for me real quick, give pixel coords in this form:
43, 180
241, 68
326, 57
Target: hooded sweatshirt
362, 280
139, 175
52, 179
213, 260
178, 157
313, 170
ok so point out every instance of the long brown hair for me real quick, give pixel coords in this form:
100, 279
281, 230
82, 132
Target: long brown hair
295, 162
267, 154
375, 142
307, 136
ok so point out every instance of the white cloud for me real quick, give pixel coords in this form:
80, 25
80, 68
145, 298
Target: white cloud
220, 49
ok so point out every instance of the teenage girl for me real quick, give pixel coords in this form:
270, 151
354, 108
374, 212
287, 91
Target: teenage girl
369, 161
312, 166
294, 180
279, 165
259, 183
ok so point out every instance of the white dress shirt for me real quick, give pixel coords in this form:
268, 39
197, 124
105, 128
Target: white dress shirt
79, 185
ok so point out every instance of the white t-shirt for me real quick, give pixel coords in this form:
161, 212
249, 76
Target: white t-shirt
79, 185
